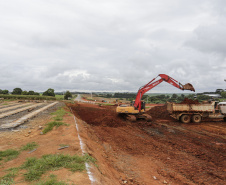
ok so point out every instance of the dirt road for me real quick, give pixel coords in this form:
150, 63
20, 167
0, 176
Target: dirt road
163, 152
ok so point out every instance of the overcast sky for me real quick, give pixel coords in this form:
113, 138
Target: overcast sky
117, 45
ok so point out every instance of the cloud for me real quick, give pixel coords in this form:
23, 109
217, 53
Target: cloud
111, 45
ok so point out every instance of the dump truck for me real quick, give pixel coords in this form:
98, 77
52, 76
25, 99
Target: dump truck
196, 112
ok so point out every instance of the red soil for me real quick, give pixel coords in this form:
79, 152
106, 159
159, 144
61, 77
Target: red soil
168, 150
189, 101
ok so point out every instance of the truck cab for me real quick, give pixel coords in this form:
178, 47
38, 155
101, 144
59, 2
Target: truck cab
222, 107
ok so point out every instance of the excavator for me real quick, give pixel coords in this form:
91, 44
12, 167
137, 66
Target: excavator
137, 109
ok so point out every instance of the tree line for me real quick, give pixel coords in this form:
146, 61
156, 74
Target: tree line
48, 92
19, 91
162, 98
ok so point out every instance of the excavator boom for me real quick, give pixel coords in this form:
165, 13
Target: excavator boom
154, 82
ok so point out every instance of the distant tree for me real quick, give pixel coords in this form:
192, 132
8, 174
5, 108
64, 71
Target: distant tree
174, 96
203, 97
17, 91
31, 92
5, 92
190, 96
36, 93
0, 91
67, 95
218, 91
181, 97
108, 96
223, 94
49, 92
24, 93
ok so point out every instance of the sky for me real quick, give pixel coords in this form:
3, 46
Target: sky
120, 45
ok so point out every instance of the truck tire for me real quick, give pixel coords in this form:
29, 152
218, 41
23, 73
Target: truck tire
225, 119
185, 118
196, 118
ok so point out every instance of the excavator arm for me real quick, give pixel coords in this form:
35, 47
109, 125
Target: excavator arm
154, 82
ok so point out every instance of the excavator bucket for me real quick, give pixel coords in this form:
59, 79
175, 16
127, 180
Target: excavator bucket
188, 86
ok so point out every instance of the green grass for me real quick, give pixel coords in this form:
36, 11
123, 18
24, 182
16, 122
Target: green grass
52, 180
59, 97
29, 146
59, 114
8, 178
9, 154
50, 125
58, 117
37, 167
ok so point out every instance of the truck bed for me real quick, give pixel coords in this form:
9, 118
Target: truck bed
175, 107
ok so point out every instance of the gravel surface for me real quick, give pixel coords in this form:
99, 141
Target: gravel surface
9, 105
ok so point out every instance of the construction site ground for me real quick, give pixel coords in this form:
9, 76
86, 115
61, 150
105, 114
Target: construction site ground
163, 151
49, 143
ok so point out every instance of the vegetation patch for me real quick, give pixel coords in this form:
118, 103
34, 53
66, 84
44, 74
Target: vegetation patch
51, 180
50, 125
8, 178
58, 117
9, 154
59, 114
29, 146
37, 167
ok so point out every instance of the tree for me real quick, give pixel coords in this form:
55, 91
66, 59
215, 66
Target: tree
5, 92
0, 91
17, 91
49, 92
24, 93
203, 97
223, 94
67, 95
31, 92
174, 96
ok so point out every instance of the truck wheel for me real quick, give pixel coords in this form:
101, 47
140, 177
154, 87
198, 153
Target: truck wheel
185, 118
224, 118
196, 118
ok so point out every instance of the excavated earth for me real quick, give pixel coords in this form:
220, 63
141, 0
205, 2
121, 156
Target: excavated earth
164, 151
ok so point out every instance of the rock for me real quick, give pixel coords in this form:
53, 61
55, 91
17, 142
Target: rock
15, 130
29, 131
164, 182
41, 133
124, 181
40, 127
154, 177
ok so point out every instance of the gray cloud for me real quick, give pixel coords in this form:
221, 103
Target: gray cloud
111, 45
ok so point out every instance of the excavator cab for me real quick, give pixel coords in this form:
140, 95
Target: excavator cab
142, 105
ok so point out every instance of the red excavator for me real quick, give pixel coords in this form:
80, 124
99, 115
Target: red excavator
137, 108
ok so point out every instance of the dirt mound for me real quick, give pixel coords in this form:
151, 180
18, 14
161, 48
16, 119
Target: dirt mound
189, 101
104, 116
159, 112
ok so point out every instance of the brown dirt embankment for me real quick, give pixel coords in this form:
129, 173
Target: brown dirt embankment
174, 153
